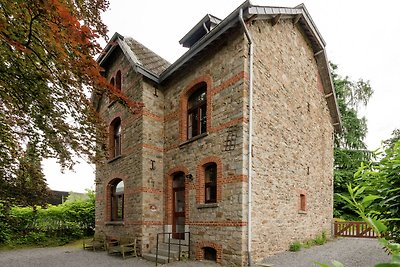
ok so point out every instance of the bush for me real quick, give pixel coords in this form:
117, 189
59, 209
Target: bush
53, 225
320, 239
296, 246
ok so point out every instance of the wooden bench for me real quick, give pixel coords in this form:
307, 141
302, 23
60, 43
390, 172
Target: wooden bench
122, 246
98, 242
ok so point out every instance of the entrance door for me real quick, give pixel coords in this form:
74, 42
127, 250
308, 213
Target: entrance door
178, 187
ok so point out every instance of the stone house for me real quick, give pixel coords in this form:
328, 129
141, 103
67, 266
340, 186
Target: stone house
181, 165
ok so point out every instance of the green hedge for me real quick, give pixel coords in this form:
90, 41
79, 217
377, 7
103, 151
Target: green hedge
54, 224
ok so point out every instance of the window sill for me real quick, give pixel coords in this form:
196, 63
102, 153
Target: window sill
197, 137
207, 205
114, 159
116, 223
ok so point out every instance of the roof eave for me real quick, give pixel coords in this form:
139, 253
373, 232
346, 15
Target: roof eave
118, 40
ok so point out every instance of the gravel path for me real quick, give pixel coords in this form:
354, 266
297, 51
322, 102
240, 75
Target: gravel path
352, 252
77, 257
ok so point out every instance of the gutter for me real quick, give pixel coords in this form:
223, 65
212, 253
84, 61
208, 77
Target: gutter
250, 141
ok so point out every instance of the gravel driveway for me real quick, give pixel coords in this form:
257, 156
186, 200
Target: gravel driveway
351, 252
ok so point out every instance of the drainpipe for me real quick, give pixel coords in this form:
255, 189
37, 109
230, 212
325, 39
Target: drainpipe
250, 142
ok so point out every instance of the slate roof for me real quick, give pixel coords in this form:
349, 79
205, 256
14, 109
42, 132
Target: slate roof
147, 58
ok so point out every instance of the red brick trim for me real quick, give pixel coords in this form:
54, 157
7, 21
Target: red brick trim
110, 134
132, 222
183, 104
213, 130
231, 81
107, 193
200, 245
149, 114
200, 178
227, 124
221, 223
168, 198
171, 116
144, 190
152, 147
234, 179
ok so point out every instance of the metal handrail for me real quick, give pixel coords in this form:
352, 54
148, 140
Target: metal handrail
173, 243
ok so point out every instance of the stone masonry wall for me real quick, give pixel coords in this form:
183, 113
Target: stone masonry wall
152, 165
293, 147
220, 226
128, 166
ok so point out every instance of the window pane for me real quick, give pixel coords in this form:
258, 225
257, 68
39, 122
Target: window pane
203, 119
211, 173
117, 138
117, 201
210, 183
179, 180
180, 225
120, 207
197, 117
190, 125
180, 201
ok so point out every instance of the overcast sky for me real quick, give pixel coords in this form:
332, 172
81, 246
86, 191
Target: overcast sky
363, 39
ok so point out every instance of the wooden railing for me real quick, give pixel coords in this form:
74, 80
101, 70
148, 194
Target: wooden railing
353, 229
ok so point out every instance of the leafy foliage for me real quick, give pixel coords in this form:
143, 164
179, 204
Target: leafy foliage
365, 205
59, 224
47, 70
350, 149
382, 177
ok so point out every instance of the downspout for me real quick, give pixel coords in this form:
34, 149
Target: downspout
250, 141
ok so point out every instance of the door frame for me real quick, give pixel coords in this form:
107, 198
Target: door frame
169, 198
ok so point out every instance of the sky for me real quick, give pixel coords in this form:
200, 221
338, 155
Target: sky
362, 37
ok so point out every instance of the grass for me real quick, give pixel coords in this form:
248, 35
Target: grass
48, 243
296, 246
317, 241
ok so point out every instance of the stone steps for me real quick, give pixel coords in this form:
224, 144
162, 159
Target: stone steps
152, 257
163, 253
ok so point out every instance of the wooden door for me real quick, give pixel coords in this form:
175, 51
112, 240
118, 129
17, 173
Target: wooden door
178, 187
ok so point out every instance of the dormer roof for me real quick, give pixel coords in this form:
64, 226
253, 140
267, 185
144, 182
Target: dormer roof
204, 26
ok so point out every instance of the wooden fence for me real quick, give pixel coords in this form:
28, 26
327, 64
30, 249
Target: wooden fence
353, 229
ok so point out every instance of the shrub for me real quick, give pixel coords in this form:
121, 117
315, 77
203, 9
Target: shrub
296, 246
53, 225
320, 239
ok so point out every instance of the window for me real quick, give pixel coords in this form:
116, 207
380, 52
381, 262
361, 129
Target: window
117, 200
118, 80
117, 83
210, 183
115, 138
302, 202
197, 112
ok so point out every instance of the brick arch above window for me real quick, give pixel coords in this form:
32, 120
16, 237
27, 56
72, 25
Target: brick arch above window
207, 244
115, 138
200, 177
194, 85
114, 197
